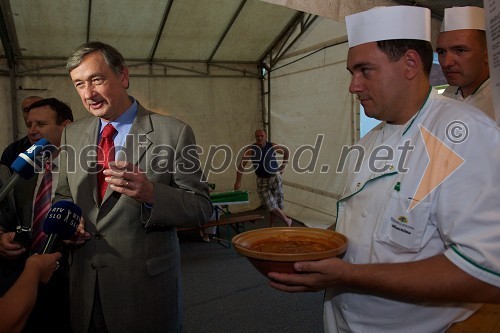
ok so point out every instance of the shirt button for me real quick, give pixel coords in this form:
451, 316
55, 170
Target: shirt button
364, 213
345, 307
351, 260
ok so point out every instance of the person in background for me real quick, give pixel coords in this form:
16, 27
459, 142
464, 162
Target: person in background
262, 154
463, 56
46, 119
11, 152
423, 232
8, 216
140, 180
19, 300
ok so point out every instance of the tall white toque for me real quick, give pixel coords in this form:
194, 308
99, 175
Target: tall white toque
458, 18
385, 23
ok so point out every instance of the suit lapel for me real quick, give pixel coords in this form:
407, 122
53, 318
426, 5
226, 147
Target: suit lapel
91, 140
24, 193
138, 142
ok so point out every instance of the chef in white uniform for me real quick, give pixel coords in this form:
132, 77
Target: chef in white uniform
421, 203
463, 56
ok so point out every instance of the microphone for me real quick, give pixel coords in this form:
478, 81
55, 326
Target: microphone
26, 164
60, 224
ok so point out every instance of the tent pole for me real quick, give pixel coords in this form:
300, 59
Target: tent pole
269, 105
265, 109
13, 103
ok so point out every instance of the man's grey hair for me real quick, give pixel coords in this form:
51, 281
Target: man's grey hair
113, 58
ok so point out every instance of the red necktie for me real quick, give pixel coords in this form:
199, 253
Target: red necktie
41, 208
105, 154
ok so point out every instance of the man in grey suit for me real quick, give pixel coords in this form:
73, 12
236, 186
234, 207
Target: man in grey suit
125, 275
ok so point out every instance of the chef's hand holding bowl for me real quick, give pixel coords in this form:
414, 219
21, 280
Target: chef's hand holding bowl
295, 259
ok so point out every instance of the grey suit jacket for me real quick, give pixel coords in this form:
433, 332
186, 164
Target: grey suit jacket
21, 198
23, 194
9, 269
8, 218
134, 252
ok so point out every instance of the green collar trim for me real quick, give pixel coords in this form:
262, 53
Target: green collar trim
352, 194
420, 109
459, 90
454, 248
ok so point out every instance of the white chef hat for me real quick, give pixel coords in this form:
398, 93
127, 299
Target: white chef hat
384, 23
458, 18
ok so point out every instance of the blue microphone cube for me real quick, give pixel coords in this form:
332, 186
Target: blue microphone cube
31, 161
62, 219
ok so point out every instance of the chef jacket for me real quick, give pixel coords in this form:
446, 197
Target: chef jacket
459, 216
481, 98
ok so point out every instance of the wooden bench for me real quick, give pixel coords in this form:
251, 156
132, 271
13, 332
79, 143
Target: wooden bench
237, 223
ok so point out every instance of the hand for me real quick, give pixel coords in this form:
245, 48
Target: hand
8, 248
44, 265
126, 178
314, 276
81, 236
237, 186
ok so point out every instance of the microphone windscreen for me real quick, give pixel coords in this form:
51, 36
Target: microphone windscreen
28, 162
62, 219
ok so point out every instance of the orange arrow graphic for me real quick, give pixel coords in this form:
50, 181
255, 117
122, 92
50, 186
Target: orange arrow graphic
443, 162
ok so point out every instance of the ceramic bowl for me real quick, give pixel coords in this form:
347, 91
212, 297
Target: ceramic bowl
276, 249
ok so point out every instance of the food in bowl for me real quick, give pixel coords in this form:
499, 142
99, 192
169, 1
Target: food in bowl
291, 246
276, 249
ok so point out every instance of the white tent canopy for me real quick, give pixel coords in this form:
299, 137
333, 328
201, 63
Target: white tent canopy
226, 67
